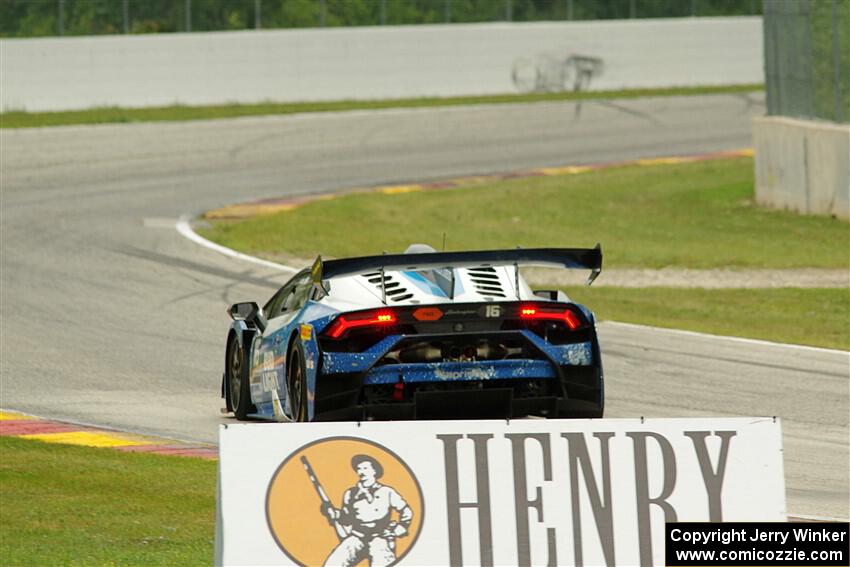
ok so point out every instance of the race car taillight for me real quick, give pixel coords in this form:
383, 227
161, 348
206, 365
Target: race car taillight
348, 321
536, 312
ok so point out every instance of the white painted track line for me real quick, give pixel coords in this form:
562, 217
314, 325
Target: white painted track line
184, 227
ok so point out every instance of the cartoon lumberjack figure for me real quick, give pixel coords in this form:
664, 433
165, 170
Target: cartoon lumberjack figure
364, 523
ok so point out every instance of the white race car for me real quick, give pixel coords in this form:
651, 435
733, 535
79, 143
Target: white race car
419, 335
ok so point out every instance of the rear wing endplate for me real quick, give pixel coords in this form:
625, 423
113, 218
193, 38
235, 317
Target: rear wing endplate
570, 258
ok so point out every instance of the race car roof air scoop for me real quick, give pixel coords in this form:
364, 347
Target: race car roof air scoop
570, 258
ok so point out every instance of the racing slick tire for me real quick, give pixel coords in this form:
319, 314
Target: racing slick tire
238, 388
296, 378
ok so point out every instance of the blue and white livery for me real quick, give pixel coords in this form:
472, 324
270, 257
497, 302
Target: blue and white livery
419, 335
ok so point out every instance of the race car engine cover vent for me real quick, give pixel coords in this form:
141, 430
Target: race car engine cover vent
395, 291
486, 282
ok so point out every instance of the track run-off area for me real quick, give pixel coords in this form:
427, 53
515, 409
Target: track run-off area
111, 317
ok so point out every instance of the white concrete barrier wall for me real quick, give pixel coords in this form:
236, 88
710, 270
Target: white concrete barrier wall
365, 63
802, 165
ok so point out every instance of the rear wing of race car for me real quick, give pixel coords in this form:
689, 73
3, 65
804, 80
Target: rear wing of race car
570, 258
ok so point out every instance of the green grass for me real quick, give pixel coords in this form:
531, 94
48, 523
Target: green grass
20, 119
816, 317
696, 215
64, 505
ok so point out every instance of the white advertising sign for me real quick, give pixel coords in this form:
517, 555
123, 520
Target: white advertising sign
524, 492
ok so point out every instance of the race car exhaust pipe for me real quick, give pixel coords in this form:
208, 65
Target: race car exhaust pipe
489, 351
422, 352
429, 352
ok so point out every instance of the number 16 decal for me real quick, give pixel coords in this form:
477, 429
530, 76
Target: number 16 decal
493, 311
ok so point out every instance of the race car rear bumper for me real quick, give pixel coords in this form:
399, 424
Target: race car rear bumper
552, 381
460, 371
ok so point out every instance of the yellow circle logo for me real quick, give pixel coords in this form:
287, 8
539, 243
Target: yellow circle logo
344, 501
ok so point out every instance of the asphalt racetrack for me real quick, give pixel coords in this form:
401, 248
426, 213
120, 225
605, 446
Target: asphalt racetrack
111, 317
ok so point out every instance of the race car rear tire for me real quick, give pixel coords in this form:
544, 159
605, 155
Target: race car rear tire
237, 380
297, 382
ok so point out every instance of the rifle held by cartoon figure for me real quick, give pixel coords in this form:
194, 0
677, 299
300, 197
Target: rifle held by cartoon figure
341, 532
